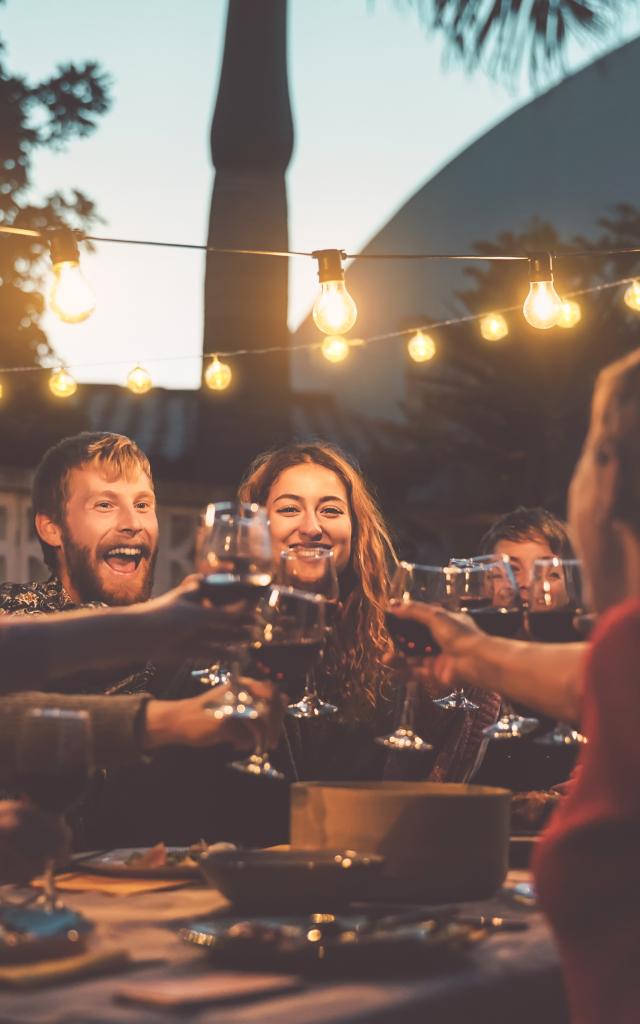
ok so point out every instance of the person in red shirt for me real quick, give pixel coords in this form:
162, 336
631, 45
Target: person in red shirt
587, 866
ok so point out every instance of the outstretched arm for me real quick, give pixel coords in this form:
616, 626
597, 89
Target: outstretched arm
545, 677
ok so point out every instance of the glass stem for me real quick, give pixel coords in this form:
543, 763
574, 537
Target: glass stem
49, 887
408, 705
310, 688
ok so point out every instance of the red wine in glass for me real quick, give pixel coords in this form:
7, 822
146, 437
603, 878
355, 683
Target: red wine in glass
554, 626
504, 622
223, 588
55, 791
412, 639
285, 664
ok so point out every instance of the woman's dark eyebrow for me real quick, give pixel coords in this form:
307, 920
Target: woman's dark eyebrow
296, 497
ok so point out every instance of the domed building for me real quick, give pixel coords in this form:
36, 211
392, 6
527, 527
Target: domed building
567, 158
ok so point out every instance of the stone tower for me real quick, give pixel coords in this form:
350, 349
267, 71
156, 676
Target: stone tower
246, 296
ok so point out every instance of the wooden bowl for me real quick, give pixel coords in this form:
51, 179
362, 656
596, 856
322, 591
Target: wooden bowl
441, 841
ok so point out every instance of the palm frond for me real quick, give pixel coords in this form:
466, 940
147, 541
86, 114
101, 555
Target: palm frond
502, 36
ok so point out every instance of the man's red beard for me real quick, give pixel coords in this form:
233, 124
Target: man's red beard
94, 575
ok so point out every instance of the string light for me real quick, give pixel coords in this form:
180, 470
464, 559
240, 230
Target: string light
70, 297
139, 381
543, 305
217, 375
339, 350
493, 327
570, 314
334, 311
62, 384
1, 391
632, 295
335, 348
421, 347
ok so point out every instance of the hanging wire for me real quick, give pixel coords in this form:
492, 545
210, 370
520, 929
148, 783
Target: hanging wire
307, 346
286, 253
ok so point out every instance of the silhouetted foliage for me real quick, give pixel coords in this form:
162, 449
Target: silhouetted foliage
502, 36
490, 425
33, 116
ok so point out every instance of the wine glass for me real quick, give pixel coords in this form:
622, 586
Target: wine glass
555, 599
504, 618
54, 762
413, 642
234, 556
487, 590
312, 570
468, 590
287, 639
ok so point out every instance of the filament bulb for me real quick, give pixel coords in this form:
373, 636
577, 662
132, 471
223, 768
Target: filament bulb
217, 375
632, 296
570, 314
334, 311
335, 349
493, 327
139, 380
421, 347
542, 306
62, 384
71, 297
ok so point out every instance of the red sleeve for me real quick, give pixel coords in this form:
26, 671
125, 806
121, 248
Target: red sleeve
612, 709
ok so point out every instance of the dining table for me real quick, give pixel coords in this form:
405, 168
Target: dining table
509, 975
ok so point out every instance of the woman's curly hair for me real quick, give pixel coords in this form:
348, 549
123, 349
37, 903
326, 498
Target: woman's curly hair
354, 659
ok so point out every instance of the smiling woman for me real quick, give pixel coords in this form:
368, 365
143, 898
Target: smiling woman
317, 498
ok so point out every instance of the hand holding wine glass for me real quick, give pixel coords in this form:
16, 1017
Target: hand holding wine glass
413, 642
235, 558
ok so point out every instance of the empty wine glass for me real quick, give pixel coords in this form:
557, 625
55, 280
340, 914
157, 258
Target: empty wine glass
235, 558
54, 761
288, 635
413, 642
312, 570
555, 600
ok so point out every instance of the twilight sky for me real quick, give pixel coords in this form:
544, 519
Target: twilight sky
375, 112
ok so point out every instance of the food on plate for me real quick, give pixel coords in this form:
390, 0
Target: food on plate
161, 856
530, 811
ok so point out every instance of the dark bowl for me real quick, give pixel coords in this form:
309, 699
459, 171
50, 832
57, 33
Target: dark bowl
290, 881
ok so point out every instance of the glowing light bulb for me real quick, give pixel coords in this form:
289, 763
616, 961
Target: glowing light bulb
570, 314
62, 384
493, 327
139, 381
335, 349
421, 347
542, 306
632, 296
70, 297
1, 392
217, 375
334, 311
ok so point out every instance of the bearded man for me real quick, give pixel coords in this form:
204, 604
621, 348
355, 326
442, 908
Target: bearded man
95, 515
94, 511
